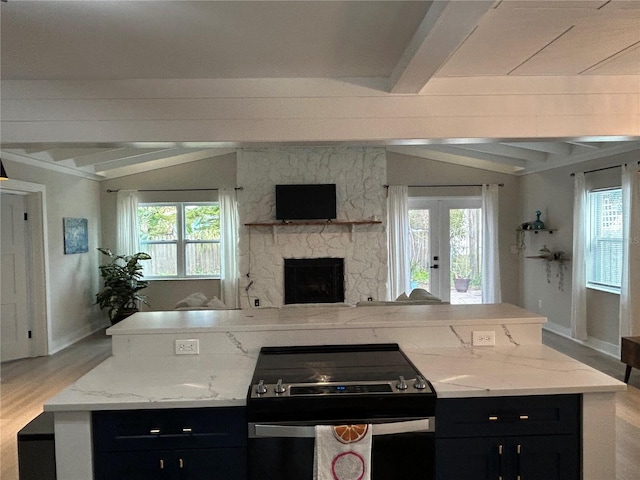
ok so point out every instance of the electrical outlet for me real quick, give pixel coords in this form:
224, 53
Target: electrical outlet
188, 347
486, 338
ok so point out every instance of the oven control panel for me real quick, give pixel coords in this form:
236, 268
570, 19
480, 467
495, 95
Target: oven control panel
280, 389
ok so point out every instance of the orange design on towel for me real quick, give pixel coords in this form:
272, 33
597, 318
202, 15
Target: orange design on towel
350, 433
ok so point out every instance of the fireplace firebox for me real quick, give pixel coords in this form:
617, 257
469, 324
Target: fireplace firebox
313, 280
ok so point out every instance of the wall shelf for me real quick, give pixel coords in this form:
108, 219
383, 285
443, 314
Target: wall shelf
549, 259
520, 236
560, 266
536, 230
324, 223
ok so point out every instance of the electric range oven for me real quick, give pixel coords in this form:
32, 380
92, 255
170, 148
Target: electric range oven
295, 388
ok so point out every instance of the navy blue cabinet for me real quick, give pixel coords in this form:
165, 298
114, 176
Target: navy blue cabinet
509, 438
170, 444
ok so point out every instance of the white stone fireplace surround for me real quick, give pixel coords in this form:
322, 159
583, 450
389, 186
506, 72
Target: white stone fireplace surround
359, 174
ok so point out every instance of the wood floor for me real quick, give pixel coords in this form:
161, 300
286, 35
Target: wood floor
27, 384
627, 403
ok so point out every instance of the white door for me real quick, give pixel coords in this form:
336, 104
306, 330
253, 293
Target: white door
14, 322
445, 245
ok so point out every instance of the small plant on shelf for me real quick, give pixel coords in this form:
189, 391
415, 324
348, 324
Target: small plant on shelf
559, 258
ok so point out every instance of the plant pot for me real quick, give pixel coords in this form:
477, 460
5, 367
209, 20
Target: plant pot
122, 315
461, 284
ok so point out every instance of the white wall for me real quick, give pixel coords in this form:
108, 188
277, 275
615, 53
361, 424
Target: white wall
73, 278
407, 170
552, 193
211, 173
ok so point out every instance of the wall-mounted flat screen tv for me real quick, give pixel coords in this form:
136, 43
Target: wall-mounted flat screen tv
306, 202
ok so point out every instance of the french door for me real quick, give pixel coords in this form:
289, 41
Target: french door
446, 247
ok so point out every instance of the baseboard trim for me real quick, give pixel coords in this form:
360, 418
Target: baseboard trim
593, 343
78, 335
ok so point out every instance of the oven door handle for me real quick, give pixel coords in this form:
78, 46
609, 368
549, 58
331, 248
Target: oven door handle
260, 430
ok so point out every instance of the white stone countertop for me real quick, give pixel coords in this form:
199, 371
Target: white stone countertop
223, 380
334, 317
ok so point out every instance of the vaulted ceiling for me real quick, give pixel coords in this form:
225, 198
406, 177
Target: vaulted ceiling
399, 41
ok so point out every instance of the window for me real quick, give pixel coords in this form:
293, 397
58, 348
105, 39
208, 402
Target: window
604, 249
183, 239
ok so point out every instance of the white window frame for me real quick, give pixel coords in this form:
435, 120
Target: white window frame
593, 285
181, 242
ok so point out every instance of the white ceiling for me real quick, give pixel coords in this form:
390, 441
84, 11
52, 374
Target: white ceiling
92, 39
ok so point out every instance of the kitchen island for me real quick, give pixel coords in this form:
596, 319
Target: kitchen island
144, 372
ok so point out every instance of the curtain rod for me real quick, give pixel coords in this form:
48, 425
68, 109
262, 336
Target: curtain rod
454, 185
109, 190
601, 169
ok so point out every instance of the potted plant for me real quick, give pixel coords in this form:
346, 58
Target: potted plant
122, 284
461, 281
462, 273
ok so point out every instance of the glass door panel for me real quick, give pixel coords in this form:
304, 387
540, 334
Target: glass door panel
445, 248
465, 237
420, 249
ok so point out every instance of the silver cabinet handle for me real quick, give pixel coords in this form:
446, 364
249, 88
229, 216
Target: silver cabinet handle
186, 430
309, 431
493, 418
154, 431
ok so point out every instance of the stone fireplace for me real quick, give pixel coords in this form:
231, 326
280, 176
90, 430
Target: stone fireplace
313, 280
360, 174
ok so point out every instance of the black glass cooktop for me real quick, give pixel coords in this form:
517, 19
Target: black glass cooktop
333, 363
341, 381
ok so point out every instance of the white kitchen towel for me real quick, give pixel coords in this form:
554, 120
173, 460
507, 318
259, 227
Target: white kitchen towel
342, 452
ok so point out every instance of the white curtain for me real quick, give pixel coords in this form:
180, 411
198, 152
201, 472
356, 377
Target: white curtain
398, 241
229, 277
630, 291
127, 223
579, 260
491, 292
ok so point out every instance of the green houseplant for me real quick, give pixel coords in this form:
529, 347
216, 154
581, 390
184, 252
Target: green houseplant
122, 284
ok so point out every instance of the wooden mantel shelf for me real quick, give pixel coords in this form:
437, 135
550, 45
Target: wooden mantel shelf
349, 223
313, 222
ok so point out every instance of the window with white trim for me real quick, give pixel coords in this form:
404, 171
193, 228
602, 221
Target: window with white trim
182, 238
604, 249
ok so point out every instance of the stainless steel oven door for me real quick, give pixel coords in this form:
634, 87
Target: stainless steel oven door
400, 449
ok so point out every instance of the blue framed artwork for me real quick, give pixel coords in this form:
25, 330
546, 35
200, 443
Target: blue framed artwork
76, 235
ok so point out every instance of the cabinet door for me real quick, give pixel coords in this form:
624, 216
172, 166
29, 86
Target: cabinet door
469, 458
136, 465
212, 464
553, 457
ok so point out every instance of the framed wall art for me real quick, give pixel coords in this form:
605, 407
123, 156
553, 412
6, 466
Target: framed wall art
76, 235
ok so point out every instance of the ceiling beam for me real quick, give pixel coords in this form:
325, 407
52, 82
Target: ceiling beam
506, 151
554, 148
465, 161
447, 24
476, 155
167, 162
626, 149
182, 155
20, 157
115, 154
